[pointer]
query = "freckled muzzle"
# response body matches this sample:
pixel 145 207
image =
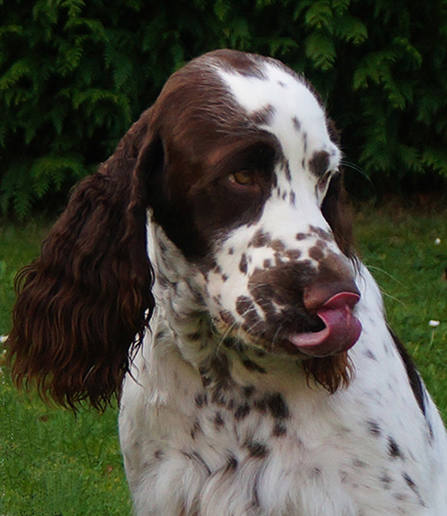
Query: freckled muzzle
pixel 307 309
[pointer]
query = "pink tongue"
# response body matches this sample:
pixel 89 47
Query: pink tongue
pixel 342 328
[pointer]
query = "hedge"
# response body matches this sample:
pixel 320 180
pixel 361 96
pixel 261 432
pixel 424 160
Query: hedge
pixel 74 74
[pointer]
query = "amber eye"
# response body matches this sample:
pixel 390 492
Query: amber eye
pixel 243 177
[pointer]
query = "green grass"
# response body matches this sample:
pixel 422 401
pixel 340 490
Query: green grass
pixel 53 463
pixel 18 246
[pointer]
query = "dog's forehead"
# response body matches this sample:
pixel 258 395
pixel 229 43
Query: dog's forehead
pixel 290 107
pixel 275 86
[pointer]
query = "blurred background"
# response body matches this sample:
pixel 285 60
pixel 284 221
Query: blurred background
pixel 75 74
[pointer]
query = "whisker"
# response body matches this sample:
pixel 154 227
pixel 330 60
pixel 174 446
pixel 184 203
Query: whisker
pixel 389 296
pixel 386 273
pixel 357 168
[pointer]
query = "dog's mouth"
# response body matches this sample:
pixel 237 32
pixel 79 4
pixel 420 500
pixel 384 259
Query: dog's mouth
pixel 341 328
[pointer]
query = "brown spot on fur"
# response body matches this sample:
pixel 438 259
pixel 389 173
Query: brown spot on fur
pixel 248 391
pixel 253 366
pixel 243 264
pixel 277 406
pixel 332 373
pixel 324 235
pixel 277 245
pixel 257 449
pixel 260 239
pixel 242 412
pixel 201 400
pixel 287 171
pixel 394 450
pixel 293 254
pixel 215 374
pixel 194 336
pixel 316 253
pixel 218 420
pixel 292 198
pixel 232 464
pixel 319 163
pixel 279 429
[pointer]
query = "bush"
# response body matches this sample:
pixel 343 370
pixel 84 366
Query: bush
pixel 75 74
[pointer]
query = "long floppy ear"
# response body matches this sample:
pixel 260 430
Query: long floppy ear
pixel 83 305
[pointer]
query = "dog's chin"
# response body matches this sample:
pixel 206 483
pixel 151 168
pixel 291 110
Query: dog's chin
pixel 331 370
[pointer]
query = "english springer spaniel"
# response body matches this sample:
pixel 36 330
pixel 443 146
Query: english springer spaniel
pixel 206 274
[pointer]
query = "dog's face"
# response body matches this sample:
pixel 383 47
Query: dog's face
pixel 237 165
pixel 247 162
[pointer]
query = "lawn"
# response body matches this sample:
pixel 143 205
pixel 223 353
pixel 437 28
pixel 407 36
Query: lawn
pixel 53 463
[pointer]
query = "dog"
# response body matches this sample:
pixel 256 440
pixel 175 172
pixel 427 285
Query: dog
pixel 206 275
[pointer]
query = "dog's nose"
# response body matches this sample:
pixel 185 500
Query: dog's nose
pixel 318 293
pixel 333 303
pixel 341 328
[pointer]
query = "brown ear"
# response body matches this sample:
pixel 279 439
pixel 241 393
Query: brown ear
pixel 83 305
pixel 336 210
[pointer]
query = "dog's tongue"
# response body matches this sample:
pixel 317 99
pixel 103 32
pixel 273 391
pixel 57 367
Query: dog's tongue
pixel 342 328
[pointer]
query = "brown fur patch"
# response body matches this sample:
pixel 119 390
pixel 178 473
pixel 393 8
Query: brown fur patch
pixel 332 373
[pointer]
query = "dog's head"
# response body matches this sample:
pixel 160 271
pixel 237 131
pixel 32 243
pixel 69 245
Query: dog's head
pixel 239 168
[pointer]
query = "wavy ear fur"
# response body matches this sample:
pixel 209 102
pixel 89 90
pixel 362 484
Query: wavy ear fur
pixel 83 305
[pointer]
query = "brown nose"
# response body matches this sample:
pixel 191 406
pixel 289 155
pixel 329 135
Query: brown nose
pixel 318 293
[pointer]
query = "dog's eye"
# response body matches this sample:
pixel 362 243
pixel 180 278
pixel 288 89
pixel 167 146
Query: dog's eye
pixel 243 177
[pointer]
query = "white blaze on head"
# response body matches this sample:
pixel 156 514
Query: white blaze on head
pixel 293 103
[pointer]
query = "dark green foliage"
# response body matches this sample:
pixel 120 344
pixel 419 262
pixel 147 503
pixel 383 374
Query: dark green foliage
pixel 74 74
